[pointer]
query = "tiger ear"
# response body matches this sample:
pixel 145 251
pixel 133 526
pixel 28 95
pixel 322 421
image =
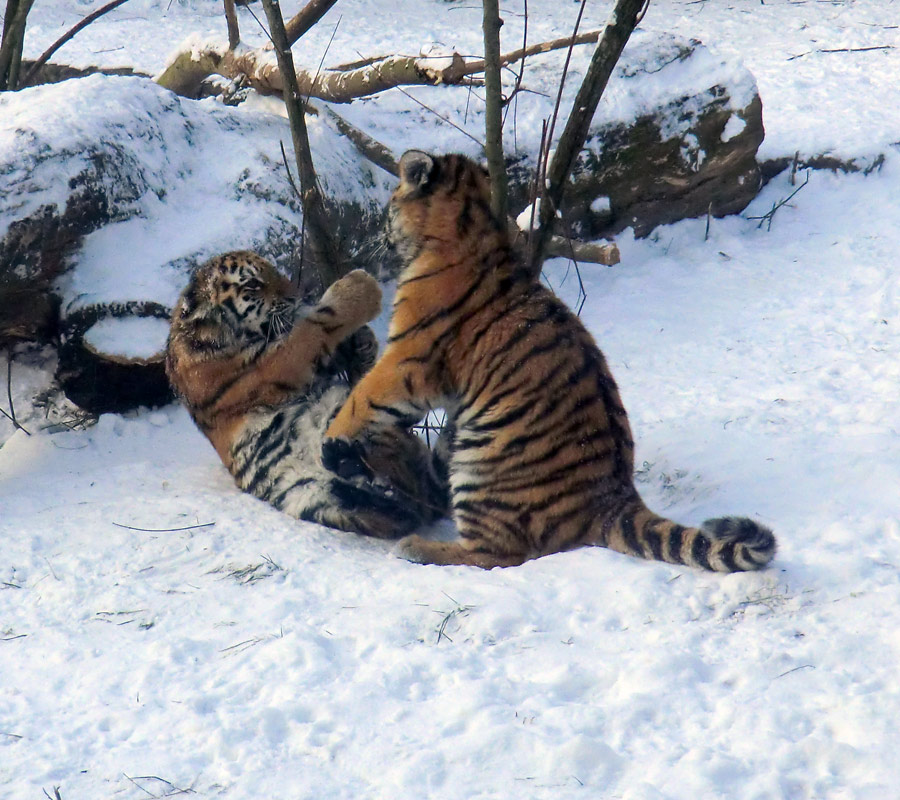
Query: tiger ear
pixel 416 168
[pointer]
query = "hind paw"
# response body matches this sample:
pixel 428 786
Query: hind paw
pixel 411 548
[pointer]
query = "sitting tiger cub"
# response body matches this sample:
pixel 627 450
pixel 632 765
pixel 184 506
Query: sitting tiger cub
pixel 542 454
pixel 259 373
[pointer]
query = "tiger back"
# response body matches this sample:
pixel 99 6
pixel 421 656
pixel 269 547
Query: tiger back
pixel 542 454
pixel 261 374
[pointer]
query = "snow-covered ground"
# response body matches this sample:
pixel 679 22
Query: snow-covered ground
pixel 160 631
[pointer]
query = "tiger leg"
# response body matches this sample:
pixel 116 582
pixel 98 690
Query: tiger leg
pixel 461 551
pixel 396 391
pixel 290 365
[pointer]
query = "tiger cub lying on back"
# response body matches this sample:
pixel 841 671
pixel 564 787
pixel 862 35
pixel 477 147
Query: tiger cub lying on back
pixel 259 374
pixel 542 456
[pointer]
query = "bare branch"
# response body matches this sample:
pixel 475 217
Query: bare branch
pixel 493 117
pixel 609 48
pixel 303 20
pixel 45 56
pixel 234 32
pixel 329 261
pixel 368 147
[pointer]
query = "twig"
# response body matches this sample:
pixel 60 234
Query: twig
pixel 177 790
pixel 246 645
pixel 844 50
pixel 44 57
pixel 295 278
pixel 288 170
pixel 518 84
pixel 322 60
pixel 441 632
pixel 441 116
pixel 11 638
pixel 771 214
pixel 55 791
pixel 802 666
pixel 13 421
pixel 165 530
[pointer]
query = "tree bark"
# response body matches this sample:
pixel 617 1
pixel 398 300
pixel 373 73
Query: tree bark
pixel 13 36
pixel 330 263
pixel 231 20
pixel 493 117
pixel 618 29
pixel 304 19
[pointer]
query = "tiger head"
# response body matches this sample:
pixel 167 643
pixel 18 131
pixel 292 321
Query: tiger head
pixel 440 200
pixel 235 300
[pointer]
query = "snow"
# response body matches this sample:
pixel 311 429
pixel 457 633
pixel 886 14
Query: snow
pixel 133 337
pixel 600 204
pixel 218 646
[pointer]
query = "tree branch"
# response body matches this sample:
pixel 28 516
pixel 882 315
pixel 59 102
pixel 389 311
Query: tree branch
pixel 304 19
pixel 45 56
pixel 329 261
pixel 231 20
pixel 618 29
pixel 493 117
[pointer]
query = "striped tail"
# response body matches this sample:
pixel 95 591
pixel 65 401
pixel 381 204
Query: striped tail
pixel 725 544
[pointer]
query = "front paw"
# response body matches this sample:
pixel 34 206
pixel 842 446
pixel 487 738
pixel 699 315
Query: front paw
pixel 344 458
pixel 357 294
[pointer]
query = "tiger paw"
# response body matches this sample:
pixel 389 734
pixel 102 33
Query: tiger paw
pixel 357 295
pixel 411 549
pixel 344 458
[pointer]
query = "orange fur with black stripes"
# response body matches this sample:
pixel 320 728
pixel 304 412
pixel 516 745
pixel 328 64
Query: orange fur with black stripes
pixel 262 373
pixel 542 454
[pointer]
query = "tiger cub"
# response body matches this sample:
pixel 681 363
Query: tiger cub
pixel 259 373
pixel 542 455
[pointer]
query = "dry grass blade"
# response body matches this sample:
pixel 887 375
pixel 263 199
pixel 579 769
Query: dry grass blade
pixel 165 530
pixel 11 416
